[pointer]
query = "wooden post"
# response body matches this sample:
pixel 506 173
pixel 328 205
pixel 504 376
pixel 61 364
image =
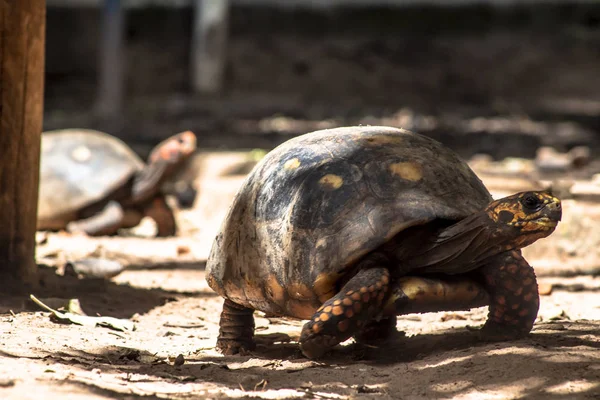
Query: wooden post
pixel 22 41
pixel 209 45
pixel 109 102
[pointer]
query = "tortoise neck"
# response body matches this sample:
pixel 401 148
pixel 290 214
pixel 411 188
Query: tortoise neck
pixel 463 246
pixel 148 182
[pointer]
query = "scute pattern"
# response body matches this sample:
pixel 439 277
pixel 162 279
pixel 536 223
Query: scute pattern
pixel 68 183
pixel 287 223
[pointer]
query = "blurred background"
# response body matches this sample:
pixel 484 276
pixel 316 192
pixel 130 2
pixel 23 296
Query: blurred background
pixel 512 86
pixel 499 77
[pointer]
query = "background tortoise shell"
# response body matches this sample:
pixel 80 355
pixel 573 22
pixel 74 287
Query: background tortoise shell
pixel 319 202
pixel 79 167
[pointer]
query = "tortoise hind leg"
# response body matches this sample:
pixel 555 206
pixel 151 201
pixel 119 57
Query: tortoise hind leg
pixel 106 222
pixel 343 315
pixel 236 332
pixel 514 298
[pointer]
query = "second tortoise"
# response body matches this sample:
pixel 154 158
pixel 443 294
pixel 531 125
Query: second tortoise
pixel 94 183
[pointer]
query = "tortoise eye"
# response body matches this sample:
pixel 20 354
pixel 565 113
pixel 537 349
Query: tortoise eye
pixel 531 202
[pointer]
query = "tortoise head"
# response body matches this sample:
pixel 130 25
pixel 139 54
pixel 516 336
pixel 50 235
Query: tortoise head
pixel 165 160
pixel 526 216
pixel 174 150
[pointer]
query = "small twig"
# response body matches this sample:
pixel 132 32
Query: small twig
pixel 190 326
pixel 117 334
pixel 262 383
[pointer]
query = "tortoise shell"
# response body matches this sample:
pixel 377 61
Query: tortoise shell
pixel 316 204
pixel 79 167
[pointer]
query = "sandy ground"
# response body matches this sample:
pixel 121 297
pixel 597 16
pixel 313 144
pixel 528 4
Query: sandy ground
pixel 164 293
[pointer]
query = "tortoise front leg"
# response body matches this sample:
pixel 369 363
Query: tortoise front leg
pixel 162 214
pixel 514 298
pixel 236 332
pixel 343 315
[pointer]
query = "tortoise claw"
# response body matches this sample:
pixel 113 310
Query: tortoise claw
pixel 498 333
pixel 231 347
pixel 318 345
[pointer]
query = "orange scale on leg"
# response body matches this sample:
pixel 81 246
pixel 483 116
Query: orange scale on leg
pixel 523 313
pixel 337 310
pixel 316 328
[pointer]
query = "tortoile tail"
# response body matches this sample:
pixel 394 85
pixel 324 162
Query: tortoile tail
pixel 349 227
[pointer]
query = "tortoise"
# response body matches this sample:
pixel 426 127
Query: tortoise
pixel 351 226
pixel 92 182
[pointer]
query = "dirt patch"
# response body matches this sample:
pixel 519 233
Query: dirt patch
pixel 437 357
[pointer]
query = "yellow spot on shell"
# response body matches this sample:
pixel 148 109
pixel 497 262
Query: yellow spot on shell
pixel 291 164
pixel 274 290
pixel 331 181
pixel 300 291
pixel 234 292
pixel 81 154
pixel 324 286
pixel 316 328
pixel 322 242
pixel 407 170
